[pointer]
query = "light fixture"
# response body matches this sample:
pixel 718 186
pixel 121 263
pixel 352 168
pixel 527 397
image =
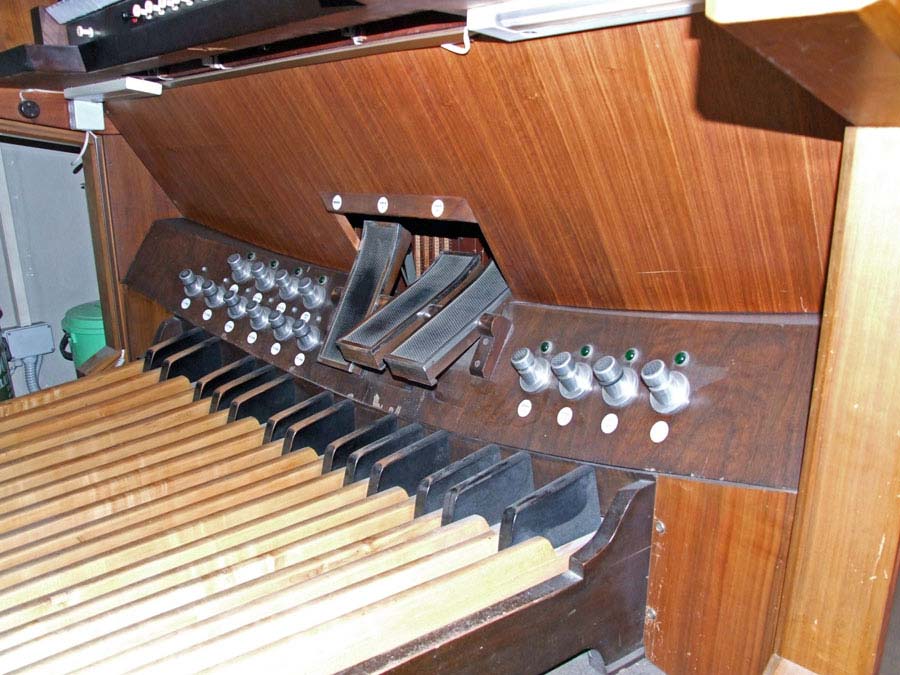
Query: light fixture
pixel 527 19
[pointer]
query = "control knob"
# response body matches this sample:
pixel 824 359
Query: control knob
pixel 287 285
pixel 259 316
pixel 264 275
pixel 282 326
pixel 237 305
pixel 619 384
pixel 669 390
pixel 312 294
pixel 213 294
pixel 574 377
pixel 240 268
pixel 192 283
pixel 307 335
pixel 534 372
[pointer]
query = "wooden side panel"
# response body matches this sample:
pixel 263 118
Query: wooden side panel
pixel 843 556
pixel 654 166
pixel 15 22
pixel 716 575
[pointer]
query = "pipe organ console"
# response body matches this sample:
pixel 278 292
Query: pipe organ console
pixel 466 358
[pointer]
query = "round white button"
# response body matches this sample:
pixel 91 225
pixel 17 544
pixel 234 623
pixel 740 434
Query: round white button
pixel 257 297
pixel 382 204
pixel 207 314
pixel 659 431
pixel 564 416
pixel 251 338
pixel 229 326
pixel 275 349
pixel 235 288
pixel 299 359
pixel 280 307
pixel 524 409
pixel 185 303
pixel 437 208
pixel 337 202
pixel 306 316
pixel 609 423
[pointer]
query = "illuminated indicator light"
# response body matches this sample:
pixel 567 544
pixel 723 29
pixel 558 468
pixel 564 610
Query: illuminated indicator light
pixel 681 358
pixel 298 271
pixel 631 355
pixel 586 350
pixel 322 279
pixel 273 264
pixel 545 347
pixel 251 255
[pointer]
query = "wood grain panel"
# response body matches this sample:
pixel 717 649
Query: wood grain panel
pixel 15 22
pixel 863 37
pixel 843 558
pixel 716 574
pixel 653 166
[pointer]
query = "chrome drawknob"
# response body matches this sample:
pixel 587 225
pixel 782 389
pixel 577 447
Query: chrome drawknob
pixel 264 275
pixel 669 391
pixel 287 285
pixel 313 294
pixel 191 282
pixel 237 305
pixel 282 326
pixel 534 373
pixel 213 294
pixel 619 384
pixel 574 377
pixel 307 335
pixel 259 316
pixel 240 268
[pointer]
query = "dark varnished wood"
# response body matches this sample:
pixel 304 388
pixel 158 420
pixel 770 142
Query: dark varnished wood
pixel 751 376
pixel 401 206
pixel 716 572
pixel 597 164
pixel 54 108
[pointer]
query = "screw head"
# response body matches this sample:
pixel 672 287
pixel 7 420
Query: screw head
pixel 650 614
pixel 659 526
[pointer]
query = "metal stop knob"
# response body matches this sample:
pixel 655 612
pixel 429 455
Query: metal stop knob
pixel 264 275
pixel 574 377
pixel 237 305
pixel 191 282
pixel 287 285
pixel 313 294
pixel 619 384
pixel 534 372
pixel 259 316
pixel 240 268
pixel 307 335
pixel 213 294
pixel 669 391
pixel 282 326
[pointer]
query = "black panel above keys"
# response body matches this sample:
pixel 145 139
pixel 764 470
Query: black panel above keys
pixel 195 361
pixel 360 463
pixel 378 261
pixel 278 424
pixel 320 429
pixel 339 450
pixel 561 511
pixel 207 384
pixel 407 467
pixel 226 393
pixel 160 352
pixel 368 343
pixel 489 492
pixel 431 491
pixel 265 400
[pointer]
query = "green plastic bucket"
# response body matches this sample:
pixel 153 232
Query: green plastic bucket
pixel 83 332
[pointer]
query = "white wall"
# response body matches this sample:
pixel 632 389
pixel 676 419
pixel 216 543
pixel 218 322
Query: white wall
pixel 46 203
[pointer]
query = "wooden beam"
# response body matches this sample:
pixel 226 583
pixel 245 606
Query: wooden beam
pixel 847 526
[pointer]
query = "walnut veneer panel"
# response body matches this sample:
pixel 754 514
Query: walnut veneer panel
pixel 841 573
pixel 716 574
pixel 654 166
pixel 15 22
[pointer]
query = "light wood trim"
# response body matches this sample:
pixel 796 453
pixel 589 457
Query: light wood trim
pixel 45 396
pixel 403 617
pixel 733 11
pixel 31 458
pixel 99 427
pixel 169 456
pixel 276 545
pixel 70 423
pixel 312 603
pixel 41 133
pixel 90 578
pixel 43 475
pixel 847 526
pixel 96 501
pixel 212 615
pixel 81 402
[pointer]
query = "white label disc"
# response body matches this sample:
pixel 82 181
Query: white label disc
pixel 257 297
pixel 275 349
pixel 564 416
pixel 235 288
pixel 382 204
pixel 337 202
pixel 524 409
pixel 185 303
pixel 299 359
pixel 229 326
pixel 609 423
pixel 306 316
pixel 659 431
pixel 251 338
pixel 280 307
pixel 207 314
pixel 437 208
